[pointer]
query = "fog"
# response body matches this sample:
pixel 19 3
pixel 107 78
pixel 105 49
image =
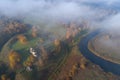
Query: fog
pixel 45 9
pixel 99 13
pixel 53 10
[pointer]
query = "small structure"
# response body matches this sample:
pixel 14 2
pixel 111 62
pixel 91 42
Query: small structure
pixel 28 68
pixel 32 51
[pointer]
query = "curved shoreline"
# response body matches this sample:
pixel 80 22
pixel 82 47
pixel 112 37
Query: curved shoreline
pixel 106 65
pixel 97 54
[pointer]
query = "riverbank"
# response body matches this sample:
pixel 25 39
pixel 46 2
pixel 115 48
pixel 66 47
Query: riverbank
pixel 107 66
pixel 97 54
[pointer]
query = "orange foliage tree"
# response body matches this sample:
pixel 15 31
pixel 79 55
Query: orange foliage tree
pixel 44 53
pixel 56 42
pixel 34 32
pixel 22 39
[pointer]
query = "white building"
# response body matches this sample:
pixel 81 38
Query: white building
pixel 32 51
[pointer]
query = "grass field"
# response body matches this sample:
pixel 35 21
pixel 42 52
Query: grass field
pixel 30 43
pixel 106 47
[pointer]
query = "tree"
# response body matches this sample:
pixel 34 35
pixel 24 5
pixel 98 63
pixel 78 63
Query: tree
pixel 22 39
pixel 30 60
pixel 34 31
pixel 56 42
pixel 4 77
pixel 44 53
pixel 14 59
pixel 82 63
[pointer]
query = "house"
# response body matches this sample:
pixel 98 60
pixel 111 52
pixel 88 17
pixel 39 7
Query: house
pixel 32 51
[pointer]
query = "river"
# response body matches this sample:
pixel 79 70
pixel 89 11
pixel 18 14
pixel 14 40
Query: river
pixel 107 66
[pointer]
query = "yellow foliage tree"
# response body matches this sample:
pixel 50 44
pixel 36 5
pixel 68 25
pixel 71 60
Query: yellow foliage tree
pixel 14 59
pixel 4 77
pixel 73 70
pixel 30 60
pixel 82 64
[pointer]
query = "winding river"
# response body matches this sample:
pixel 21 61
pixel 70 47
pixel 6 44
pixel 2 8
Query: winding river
pixel 104 64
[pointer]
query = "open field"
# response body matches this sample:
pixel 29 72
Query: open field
pixel 107 46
